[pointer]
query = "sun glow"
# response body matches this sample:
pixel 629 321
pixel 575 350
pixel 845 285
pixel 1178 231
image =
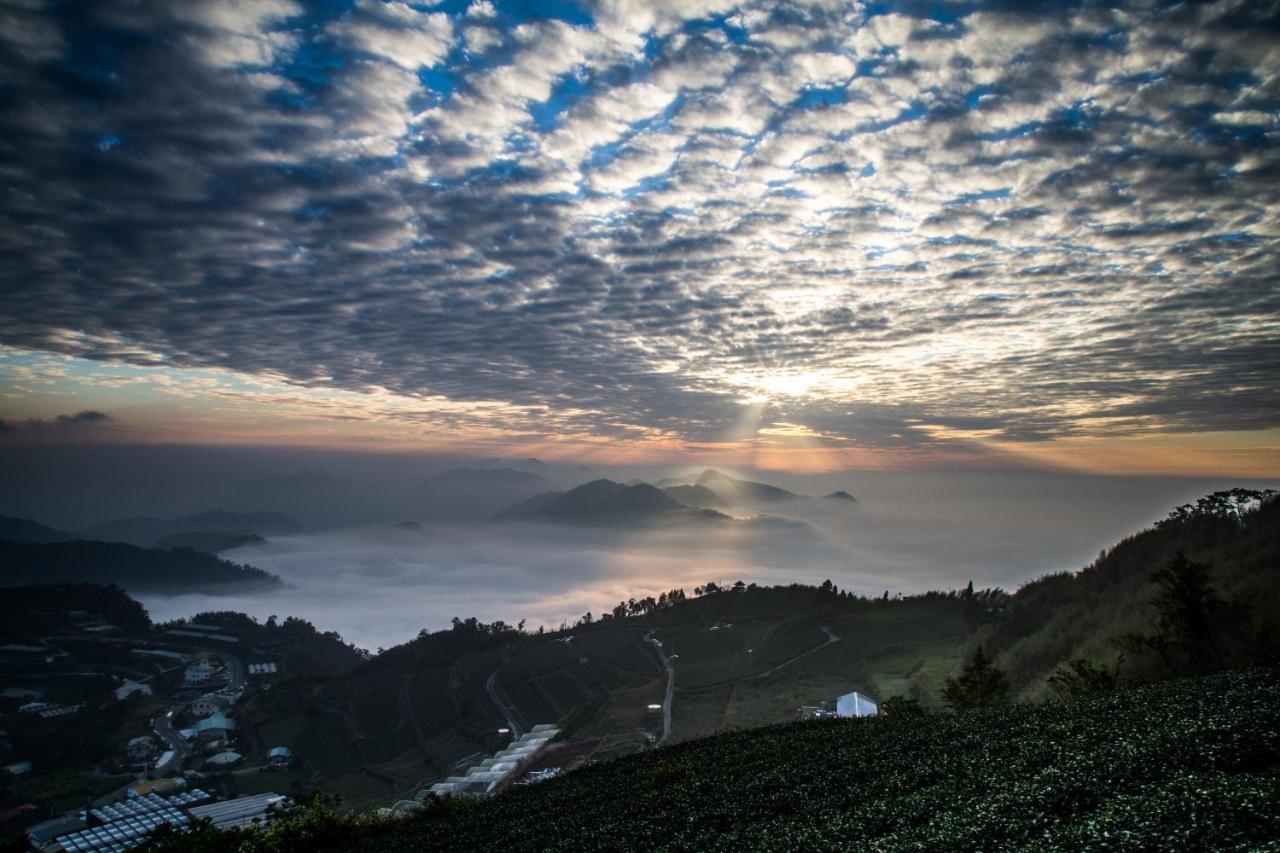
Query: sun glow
pixel 764 387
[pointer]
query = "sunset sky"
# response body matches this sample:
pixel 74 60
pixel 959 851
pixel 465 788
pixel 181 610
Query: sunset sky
pixel 807 236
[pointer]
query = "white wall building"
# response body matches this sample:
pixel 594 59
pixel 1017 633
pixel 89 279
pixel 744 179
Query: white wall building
pixel 856 705
pixel 198 674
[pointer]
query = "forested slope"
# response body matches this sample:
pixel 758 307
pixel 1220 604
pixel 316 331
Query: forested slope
pixel 1087 614
pixel 136 569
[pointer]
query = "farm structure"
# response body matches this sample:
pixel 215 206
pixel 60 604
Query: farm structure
pixel 493 773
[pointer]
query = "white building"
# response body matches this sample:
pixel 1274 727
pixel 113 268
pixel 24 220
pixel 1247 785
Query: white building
pixel 198 674
pixel 856 705
pixel 210 703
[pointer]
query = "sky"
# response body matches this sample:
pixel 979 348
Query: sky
pixel 790 236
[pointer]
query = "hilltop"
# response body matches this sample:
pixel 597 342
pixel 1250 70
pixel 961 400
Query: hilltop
pixel 727 490
pixel 27 530
pixel 608 503
pixel 1157 767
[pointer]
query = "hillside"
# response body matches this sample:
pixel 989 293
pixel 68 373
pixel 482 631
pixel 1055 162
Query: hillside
pixel 747 656
pixel 472 493
pixel 743 656
pixel 210 541
pixel 731 490
pixel 150 532
pixel 26 530
pixel 696 496
pixel 30 612
pixel 135 569
pixel 1157 767
pixel 1083 614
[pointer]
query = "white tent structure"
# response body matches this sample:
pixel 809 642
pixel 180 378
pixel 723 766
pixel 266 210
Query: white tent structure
pixel 492 772
pixel 856 705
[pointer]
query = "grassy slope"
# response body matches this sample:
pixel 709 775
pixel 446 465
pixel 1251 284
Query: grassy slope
pixel 1188 764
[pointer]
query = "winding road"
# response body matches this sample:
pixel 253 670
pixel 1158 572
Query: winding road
pixel 669 698
pixel 492 686
pixel 163 727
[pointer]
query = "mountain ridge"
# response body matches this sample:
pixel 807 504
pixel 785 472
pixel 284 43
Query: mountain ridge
pixel 604 501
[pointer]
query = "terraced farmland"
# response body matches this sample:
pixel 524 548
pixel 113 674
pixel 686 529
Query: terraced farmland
pixel 743 658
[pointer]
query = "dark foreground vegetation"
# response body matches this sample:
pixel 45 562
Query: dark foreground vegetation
pixel 136 569
pixel 1185 764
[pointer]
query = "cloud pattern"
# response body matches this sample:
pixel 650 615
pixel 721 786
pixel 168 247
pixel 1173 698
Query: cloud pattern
pixel 880 224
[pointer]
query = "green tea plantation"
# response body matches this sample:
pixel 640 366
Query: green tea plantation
pixel 1189 764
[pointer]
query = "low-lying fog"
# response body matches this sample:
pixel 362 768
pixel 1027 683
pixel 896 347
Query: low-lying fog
pixel 912 530
pixel 378 585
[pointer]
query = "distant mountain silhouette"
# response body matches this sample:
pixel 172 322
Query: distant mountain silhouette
pixel 732 490
pixel 146 532
pixel 695 496
pixel 560 474
pixel 605 502
pixel 316 498
pixel 840 495
pixel 473 493
pixel 210 541
pixel 26 530
pixel 264 523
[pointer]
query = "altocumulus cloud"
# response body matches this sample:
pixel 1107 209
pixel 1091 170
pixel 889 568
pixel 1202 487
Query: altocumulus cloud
pixel 983 217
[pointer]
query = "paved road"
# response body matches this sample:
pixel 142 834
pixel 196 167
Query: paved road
pixel 163 727
pixel 492 686
pixel 670 696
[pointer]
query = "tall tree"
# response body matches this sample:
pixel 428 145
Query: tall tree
pixel 980 684
pixel 1080 677
pixel 1191 617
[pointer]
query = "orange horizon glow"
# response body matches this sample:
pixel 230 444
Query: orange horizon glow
pixel 212 407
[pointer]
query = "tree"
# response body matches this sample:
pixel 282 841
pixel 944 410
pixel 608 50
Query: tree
pixel 980 684
pixel 1079 677
pixel 1190 619
pixel 1189 612
pixel 902 706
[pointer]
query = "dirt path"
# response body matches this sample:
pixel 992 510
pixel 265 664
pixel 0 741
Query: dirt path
pixel 831 638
